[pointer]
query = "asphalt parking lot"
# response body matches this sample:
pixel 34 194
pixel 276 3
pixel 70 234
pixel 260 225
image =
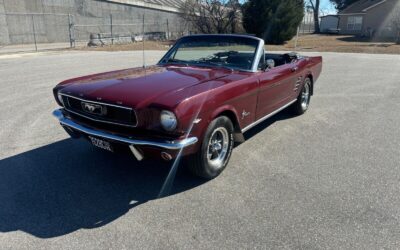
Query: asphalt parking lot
pixel 326 180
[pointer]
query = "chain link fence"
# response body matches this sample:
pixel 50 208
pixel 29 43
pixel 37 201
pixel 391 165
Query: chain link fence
pixel 111 30
pixel 45 31
pixel 42 31
pixel 307 25
pixel 33 31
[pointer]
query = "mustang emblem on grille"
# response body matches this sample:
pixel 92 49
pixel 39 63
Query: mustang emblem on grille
pixel 93 108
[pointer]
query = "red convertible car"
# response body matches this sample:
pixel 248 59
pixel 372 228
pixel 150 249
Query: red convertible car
pixel 196 102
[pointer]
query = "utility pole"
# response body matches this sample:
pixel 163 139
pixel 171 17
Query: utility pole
pixel 34 32
pixel 167 36
pixel 144 59
pixel 70 31
pixel 111 29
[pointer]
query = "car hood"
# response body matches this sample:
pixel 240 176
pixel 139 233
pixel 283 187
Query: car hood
pixel 138 87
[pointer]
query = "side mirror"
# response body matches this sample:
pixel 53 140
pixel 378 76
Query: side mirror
pixel 269 64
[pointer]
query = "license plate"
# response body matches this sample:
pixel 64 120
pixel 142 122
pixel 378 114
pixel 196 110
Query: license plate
pixel 101 143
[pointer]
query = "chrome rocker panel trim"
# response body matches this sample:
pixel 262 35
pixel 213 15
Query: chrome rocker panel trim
pixel 268 116
pixel 173 145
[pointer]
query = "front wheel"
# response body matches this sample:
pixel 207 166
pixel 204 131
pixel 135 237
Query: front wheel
pixel 303 100
pixel 215 151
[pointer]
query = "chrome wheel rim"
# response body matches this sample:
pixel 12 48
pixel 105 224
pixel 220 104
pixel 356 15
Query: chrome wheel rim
pixel 217 148
pixel 305 96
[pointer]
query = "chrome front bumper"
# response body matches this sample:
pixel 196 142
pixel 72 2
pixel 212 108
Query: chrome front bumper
pixel 171 145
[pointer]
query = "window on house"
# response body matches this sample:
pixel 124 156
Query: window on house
pixel 354 22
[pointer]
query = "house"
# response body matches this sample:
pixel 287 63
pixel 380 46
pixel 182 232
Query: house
pixel 329 24
pixel 370 18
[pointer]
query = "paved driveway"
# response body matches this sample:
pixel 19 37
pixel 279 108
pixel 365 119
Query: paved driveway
pixel 327 179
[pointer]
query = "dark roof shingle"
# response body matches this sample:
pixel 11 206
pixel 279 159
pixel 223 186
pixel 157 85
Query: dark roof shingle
pixel 361 6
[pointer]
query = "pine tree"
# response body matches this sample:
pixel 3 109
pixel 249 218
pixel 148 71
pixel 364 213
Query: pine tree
pixel 275 21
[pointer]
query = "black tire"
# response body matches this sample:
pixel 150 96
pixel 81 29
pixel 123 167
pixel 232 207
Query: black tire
pixel 201 163
pixel 303 100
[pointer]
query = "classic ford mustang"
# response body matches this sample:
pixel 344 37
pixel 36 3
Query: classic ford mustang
pixel 195 103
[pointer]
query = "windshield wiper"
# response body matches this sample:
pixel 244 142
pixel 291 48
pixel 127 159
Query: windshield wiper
pixel 176 61
pixel 201 63
pixel 208 63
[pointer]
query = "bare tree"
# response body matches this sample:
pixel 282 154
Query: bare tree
pixel 396 24
pixel 315 7
pixel 212 16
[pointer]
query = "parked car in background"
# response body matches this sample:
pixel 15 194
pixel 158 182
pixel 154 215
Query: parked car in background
pixel 196 102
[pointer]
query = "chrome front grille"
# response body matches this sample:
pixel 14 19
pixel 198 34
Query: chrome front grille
pixel 100 112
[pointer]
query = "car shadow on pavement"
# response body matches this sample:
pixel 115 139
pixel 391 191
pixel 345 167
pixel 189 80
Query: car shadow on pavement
pixel 69 185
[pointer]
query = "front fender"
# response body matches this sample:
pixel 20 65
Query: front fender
pixel 223 109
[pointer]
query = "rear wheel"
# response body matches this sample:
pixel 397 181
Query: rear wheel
pixel 303 100
pixel 215 150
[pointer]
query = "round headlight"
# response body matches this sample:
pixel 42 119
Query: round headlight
pixel 60 99
pixel 168 120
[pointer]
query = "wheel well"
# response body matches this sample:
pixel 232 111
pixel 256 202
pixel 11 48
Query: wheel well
pixel 312 82
pixel 238 136
pixel 232 117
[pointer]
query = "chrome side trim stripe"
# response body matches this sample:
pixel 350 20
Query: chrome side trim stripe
pixel 267 116
pixel 174 145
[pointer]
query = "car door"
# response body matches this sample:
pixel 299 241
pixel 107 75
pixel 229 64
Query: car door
pixel 275 88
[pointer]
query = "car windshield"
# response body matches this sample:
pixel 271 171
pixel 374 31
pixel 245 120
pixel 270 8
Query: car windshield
pixel 214 51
